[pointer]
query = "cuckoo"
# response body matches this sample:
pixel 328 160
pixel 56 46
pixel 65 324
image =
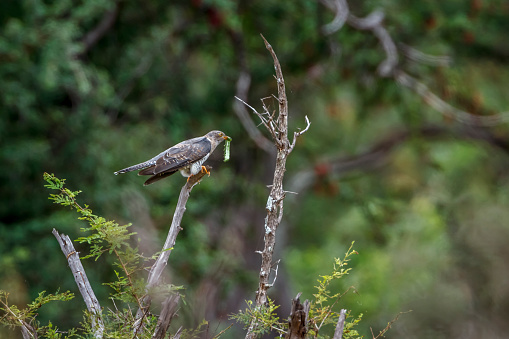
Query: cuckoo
pixel 187 157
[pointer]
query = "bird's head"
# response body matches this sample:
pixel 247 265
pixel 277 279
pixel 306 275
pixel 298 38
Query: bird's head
pixel 217 136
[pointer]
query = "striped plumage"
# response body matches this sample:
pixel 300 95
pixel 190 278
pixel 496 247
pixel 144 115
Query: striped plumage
pixel 187 157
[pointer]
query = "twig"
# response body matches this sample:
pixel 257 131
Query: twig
pixel 73 259
pixel 221 333
pixel 161 261
pixel 27 331
pixel 242 89
pixel 382 332
pixel 299 133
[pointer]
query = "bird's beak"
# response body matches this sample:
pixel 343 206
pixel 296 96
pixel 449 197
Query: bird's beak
pixel 225 137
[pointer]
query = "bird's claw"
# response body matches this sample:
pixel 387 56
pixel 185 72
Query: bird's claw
pixel 204 170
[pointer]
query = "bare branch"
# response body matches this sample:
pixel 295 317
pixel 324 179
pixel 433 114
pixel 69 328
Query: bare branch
pixel 254 133
pixel 418 56
pixel 264 121
pixel 338 333
pixel 388 68
pixel 28 331
pixel 73 259
pixel 340 7
pixel 275 273
pixel 299 133
pixel 444 108
pixel 373 22
pixel 378 154
pixel 162 260
pixel 168 311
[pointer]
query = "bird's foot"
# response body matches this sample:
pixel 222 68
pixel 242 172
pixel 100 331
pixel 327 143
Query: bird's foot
pixel 204 170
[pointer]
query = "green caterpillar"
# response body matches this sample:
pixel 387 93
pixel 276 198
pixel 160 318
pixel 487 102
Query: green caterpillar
pixel 227 149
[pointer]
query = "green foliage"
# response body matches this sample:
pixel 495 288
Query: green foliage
pixel 15 317
pixel 106 236
pixel 426 218
pixel 321 313
pixel 264 318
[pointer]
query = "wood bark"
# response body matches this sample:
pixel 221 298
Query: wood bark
pixel 297 326
pixel 278 128
pixel 73 259
pixel 338 333
pixel 168 311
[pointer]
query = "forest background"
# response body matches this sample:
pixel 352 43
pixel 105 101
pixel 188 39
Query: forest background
pixel 89 87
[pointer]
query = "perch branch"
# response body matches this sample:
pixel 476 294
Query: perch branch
pixel 162 260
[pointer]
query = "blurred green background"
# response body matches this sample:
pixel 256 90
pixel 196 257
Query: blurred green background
pixel 89 87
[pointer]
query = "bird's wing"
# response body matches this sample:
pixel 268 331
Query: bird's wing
pixel 158 177
pixel 179 156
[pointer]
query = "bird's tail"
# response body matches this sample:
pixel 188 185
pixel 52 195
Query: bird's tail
pixel 136 167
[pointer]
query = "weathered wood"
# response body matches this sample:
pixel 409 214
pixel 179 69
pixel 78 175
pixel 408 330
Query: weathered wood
pixel 278 128
pixel 73 259
pixel 338 334
pixel 168 311
pixel 156 270
pixel 297 326
pixel 27 331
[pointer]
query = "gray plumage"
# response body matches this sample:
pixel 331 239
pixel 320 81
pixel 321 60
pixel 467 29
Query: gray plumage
pixel 187 157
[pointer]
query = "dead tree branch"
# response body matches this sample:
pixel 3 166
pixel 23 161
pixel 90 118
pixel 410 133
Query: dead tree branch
pixel 297 326
pixel 167 313
pixel 73 259
pixel 338 333
pixel 340 7
pixel 378 154
pixel 162 260
pixel 242 91
pixel 389 66
pixel 278 129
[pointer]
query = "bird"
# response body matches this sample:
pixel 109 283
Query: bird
pixel 187 157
